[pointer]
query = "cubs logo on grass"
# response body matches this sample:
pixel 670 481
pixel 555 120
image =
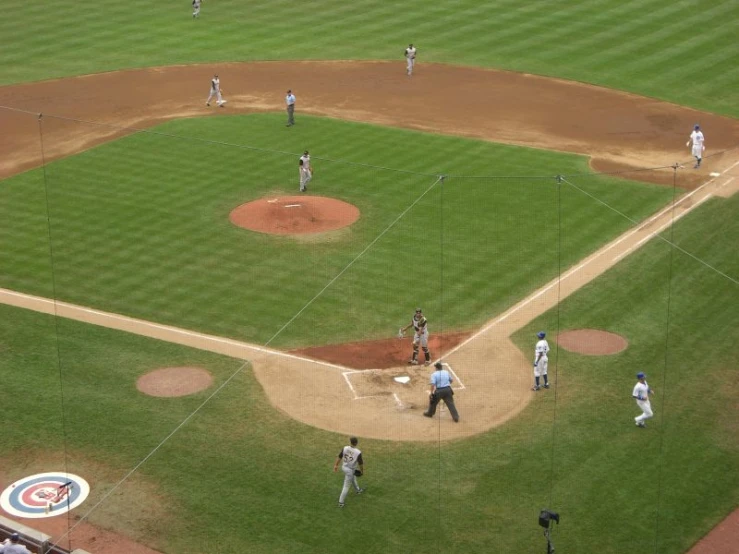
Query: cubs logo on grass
pixel 44 495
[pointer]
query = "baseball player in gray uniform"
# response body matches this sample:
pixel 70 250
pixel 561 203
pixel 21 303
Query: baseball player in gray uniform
pixel 410 59
pixel 195 8
pixel 215 90
pixel 420 336
pixel 352 465
pixel 541 361
pixel 696 137
pixel 641 393
pixel 305 170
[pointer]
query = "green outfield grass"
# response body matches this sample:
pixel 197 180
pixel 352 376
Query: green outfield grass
pixel 140 226
pixel 676 50
pixel 244 477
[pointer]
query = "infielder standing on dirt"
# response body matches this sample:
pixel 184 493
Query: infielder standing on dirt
pixel 541 361
pixel 305 170
pixel 641 394
pixel 696 137
pixel 410 59
pixel 195 8
pixel 350 458
pixel 420 336
pixel 215 90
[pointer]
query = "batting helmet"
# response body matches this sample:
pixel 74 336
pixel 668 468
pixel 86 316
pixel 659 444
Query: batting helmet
pixel 541 334
pixel 640 375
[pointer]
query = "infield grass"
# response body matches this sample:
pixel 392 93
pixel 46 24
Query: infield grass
pixel 676 50
pixel 240 476
pixel 140 227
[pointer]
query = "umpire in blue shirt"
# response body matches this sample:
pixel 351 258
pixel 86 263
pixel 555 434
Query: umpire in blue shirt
pixel 441 389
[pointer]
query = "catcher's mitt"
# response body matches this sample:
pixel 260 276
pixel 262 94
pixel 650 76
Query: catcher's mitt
pixel 401 333
pixel 357 473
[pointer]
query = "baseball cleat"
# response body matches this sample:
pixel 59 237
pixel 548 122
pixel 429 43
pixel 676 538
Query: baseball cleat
pixel 426 414
pixel 341 504
pixel 535 388
pixel 641 424
pixel 413 362
pixel 207 103
pixel 360 491
pixel 546 385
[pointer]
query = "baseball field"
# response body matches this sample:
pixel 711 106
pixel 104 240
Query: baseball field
pixel 202 369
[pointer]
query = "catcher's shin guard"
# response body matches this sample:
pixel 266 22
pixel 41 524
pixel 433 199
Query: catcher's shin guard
pixel 415 352
pixel 427 353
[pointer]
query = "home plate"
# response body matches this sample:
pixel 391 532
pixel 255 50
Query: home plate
pixel 292 205
pixel 714 174
pixel 402 379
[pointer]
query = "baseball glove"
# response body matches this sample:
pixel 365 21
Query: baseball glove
pixel 357 473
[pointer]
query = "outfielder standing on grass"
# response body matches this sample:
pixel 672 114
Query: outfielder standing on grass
pixel 696 137
pixel 420 336
pixel 305 170
pixel 195 8
pixel 541 361
pixel 352 465
pixel 410 59
pixel 641 394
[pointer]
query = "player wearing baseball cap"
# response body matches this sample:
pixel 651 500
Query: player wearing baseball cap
pixel 641 394
pixel 541 361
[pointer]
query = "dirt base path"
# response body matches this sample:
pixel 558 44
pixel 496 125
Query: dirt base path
pixel 619 130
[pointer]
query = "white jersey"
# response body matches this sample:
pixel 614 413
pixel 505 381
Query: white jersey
pixel 697 139
pixel 215 84
pixel 641 391
pixel 542 347
pixel 196 4
pixel 350 457
pixel 11 548
pixel 305 166
pixel 410 53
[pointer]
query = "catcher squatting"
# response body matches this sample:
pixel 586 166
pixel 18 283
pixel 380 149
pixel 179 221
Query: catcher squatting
pixel 352 465
pixel 420 336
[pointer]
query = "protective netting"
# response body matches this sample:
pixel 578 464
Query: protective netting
pixel 122 258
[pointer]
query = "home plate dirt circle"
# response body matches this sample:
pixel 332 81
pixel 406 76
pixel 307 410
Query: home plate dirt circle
pixel 592 342
pixel 174 381
pixel 293 215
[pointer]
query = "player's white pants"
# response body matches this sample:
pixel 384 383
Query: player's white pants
pixel 541 367
pixel 646 408
pixel 349 480
pixel 421 339
pixel 305 177
pixel 409 63
pixel 697 151
pixel 217 94
pixel 196 12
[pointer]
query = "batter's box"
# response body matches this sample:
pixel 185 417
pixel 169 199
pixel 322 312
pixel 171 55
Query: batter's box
pixel 381 382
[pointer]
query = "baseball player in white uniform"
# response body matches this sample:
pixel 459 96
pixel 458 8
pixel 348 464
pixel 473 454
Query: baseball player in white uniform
pixel 641 394
pixel 696 137
pixel 350 459
pixel 541 361
pixel 305 170
pixel 420 336
pixel 195 8
pixel 410 59
pixel 11 546
pixel 215 90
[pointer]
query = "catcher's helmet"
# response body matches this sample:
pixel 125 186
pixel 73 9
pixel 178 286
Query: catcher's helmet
pixel 541 334
pixel 640 375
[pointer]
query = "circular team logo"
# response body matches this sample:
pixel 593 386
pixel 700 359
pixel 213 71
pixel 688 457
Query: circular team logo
pixel 44 495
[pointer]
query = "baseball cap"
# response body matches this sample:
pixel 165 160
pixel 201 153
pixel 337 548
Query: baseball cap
pixel 541 334
pixel 640 375
pixel 15 537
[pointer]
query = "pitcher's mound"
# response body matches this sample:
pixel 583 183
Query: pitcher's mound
pixel 174 381
pixel 292 215
pixel 592 342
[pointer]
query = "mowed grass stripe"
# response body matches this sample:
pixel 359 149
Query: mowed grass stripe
pixel 608 43
pixel 146 217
